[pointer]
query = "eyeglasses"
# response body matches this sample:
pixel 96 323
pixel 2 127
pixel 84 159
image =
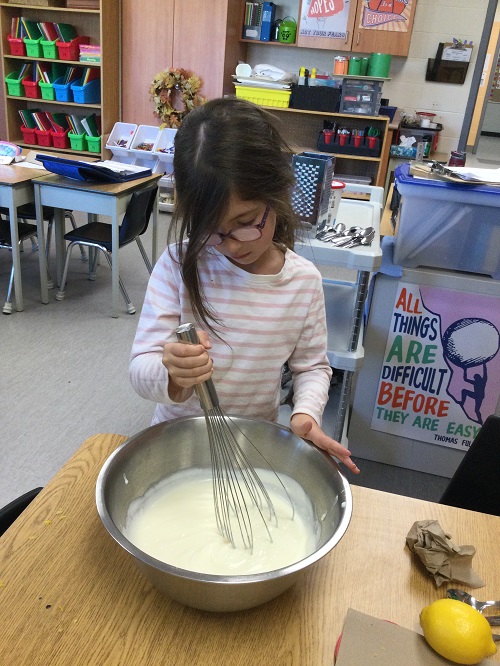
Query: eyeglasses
pixel 243 234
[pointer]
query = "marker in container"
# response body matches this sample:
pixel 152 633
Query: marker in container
pixel 312 81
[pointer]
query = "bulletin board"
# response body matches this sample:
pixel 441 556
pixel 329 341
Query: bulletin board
pixel 495 86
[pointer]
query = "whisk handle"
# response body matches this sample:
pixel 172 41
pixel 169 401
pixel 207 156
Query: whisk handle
pixel 205 391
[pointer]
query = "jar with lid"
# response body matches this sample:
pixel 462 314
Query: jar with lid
pixel 457 158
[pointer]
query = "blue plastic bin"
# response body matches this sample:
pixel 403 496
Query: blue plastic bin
pixel 447 225
pixel 87 94
pixel 62 90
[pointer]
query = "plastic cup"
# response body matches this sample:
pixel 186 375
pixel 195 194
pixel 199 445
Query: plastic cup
pixel 372 140
pixel 354 66
pixel 328 135
pixel 379 65
pixel 342 139
pixel 356 141
pixel 334 201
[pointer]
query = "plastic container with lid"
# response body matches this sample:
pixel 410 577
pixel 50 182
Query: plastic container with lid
pixel 447 225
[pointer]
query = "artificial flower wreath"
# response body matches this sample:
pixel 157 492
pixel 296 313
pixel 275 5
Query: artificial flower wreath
pixel 162 89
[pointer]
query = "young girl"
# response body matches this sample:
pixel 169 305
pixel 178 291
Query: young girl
pixel 232 271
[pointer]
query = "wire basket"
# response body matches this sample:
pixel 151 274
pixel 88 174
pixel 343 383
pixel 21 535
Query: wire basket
pixel 313 178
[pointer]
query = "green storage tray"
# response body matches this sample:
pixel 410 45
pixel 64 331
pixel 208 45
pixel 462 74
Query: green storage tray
pixel 33 47
pixel 48 91
pixel 94 143
pixel 14 85
pixel 77 141
pixel 49 49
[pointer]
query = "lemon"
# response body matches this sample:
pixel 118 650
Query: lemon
pixel 457 631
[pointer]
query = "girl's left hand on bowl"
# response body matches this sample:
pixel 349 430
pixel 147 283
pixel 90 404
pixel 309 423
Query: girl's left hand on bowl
pixel 306 427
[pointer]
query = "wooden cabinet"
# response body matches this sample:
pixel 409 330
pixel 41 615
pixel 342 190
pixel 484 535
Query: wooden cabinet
pixel 103 27
pixel 301 128
pixel 201 37
pixel 372 35
pixel 363 26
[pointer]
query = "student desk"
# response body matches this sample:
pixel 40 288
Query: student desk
pixel 16 189
pixel 70 595
pixel 109 199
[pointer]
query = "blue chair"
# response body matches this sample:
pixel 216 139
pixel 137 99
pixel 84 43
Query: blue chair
pixel 97 237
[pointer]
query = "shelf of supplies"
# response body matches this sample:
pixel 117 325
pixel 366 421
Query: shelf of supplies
pixel 341 156
pixel 101 24
pixel 51 149
pixel 63 62
pixel 332 114
pixel 258 41
pixel 39 100
pixel 50 9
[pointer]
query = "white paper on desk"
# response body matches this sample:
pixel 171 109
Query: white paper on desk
pixel 119 167
pixel 480 175
pixel 29 165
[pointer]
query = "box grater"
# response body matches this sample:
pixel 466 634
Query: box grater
pixel 313 177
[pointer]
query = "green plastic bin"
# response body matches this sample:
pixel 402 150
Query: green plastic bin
pixel 48 91
pixel 77 141
pixel 33 47
pixel 94 143
pixel 49 49
pixel 14 85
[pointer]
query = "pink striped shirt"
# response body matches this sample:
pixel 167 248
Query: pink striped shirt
pixel 267 320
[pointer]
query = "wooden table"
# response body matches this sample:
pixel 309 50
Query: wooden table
pixel 109 199
pixel 16 189
pixel 70 596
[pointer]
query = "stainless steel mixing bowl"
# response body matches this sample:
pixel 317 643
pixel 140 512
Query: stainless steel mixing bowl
pixel 166 448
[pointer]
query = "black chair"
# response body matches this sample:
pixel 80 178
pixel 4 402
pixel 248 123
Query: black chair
pixel 476 482
pixel 97 236
pixel 12 511
pixel 27 213
pixel 25 231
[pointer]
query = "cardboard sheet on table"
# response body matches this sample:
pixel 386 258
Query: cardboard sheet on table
pixel 366 640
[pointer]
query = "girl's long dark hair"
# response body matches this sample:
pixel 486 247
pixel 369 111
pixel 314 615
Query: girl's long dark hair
pixel 227 146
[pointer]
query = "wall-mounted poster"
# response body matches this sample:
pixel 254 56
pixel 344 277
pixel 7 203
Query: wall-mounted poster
pixel 324 18
pixel 440 378
pixel 392 15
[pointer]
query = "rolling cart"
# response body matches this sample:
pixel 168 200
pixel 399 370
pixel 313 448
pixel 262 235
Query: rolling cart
pixel 345 300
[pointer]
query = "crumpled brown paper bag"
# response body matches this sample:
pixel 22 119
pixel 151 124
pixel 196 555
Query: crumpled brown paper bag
pixel 441 557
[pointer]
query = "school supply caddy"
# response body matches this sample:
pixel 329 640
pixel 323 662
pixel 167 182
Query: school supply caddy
pixel 105 171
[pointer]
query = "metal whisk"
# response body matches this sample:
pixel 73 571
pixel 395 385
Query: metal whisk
pixel 232 472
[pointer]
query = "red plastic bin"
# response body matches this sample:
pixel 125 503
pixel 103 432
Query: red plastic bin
pixel 32 89
pixel 44 137
pixel 29 135
pixel 71 50
pixel 60 139
pixel 17 46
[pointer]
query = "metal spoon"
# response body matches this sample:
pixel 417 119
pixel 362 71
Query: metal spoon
pixel 364 238
pixel 346 237
pixel 467 598
pixel 331 232
pixel 460 595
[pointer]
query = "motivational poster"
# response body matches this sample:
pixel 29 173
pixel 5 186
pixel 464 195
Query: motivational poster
pixel 440 377
pixel 390 15
pixel 324 18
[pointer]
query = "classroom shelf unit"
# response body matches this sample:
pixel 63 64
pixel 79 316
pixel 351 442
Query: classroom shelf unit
pixel 300 129
pixel 103 27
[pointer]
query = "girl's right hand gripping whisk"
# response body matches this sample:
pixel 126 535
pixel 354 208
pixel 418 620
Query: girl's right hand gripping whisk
pixel 236 484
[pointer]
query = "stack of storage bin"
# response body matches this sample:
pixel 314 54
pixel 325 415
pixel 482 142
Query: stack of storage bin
pixel 441 298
